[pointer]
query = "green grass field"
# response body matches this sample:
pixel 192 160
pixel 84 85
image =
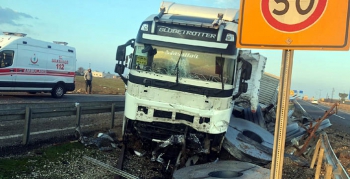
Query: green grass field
pixel 9 167
pixel 101 85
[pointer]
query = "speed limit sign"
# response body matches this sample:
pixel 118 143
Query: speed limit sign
pixel 294 24
pixel 289 16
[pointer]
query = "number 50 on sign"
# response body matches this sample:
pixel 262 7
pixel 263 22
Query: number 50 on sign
pixel 294 24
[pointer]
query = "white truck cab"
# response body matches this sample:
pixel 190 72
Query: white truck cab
pixel 30 65
pixel 183 76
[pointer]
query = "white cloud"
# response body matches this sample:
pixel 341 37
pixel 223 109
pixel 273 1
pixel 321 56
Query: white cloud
pixel 10 17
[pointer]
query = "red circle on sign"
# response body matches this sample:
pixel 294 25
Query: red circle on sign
pixel 321 6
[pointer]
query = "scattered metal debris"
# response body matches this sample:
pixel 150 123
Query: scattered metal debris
pixel 139 153
pixel 156 157
pixel 241 149
pixel 295 131
pixel 192 160
pixel 103 141
pixel 312 130
pixel 174 139
pixel 249 137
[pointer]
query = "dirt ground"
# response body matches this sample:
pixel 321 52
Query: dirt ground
pixel 340 144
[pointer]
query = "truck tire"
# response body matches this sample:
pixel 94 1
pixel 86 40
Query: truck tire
pixel 58 91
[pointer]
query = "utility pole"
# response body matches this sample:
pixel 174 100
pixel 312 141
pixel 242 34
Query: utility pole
pixel 332 95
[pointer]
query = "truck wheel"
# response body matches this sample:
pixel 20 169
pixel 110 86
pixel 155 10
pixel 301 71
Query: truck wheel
pixel 57 91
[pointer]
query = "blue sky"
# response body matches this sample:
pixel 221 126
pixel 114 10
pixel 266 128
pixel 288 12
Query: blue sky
pixel 96 27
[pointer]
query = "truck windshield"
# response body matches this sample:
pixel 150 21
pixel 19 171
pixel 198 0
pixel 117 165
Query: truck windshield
pixel 188 64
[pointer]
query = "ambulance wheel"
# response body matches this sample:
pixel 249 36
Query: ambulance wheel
pixel 57 91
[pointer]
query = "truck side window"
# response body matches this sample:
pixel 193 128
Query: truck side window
pixel 6 58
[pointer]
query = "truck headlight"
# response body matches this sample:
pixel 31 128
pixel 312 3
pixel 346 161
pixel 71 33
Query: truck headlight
pixel 230 38
pixel 144 27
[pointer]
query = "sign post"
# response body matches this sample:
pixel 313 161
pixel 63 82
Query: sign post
pixel 282 114
pixel 291 25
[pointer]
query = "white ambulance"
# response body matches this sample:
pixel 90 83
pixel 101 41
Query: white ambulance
pixel 29 65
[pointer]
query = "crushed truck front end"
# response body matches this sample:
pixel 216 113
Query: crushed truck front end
pixel 182 77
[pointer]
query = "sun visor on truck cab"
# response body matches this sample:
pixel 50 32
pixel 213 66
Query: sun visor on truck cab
pixel 229 14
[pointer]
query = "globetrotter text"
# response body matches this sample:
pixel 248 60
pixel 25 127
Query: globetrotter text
pixel 186 32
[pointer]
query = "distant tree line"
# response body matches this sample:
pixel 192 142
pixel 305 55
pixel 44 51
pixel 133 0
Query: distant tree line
pixel 80 71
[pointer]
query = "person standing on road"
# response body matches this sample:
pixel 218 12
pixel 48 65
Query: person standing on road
pixel 88 80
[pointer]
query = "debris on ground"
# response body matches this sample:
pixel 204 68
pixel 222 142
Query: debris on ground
pixel 222 169
pixel 103 141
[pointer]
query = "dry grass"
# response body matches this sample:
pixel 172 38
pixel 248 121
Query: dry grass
pixel 343 107
pixel 101 85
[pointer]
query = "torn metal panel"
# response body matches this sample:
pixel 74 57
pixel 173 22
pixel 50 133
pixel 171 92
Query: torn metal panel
pixel 250 142
pixel 294 131
pixel 258 65
pixel 157 158
pixel 174 139
pixel 222 169
pixel 256 117
pixel 191 140
pixel 268 89
pixel 290 113
pixel 245 151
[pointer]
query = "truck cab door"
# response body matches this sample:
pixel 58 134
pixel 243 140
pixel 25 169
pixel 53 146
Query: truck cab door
pixel 7 70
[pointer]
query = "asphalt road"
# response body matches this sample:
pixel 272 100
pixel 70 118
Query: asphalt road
pixel 340 121
pixel 6 97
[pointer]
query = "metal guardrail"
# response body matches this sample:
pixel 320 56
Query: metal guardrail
pixel 29 111
pixel 338 170
pixel 325 154
pixel 9 112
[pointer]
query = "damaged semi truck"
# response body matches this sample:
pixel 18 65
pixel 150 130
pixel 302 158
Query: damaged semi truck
pixel 185 74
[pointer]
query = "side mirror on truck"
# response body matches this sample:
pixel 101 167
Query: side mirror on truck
pixel 246 70
pixel 120 57
pixel 119 68
pixel 243 87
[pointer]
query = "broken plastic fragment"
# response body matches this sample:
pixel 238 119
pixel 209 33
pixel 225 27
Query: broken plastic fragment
pixel 192 160
pixel 114 145
pixel 139 153
pixel 160 159
pixel 174 139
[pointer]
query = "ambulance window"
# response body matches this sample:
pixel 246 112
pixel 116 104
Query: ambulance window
pixel 6 58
